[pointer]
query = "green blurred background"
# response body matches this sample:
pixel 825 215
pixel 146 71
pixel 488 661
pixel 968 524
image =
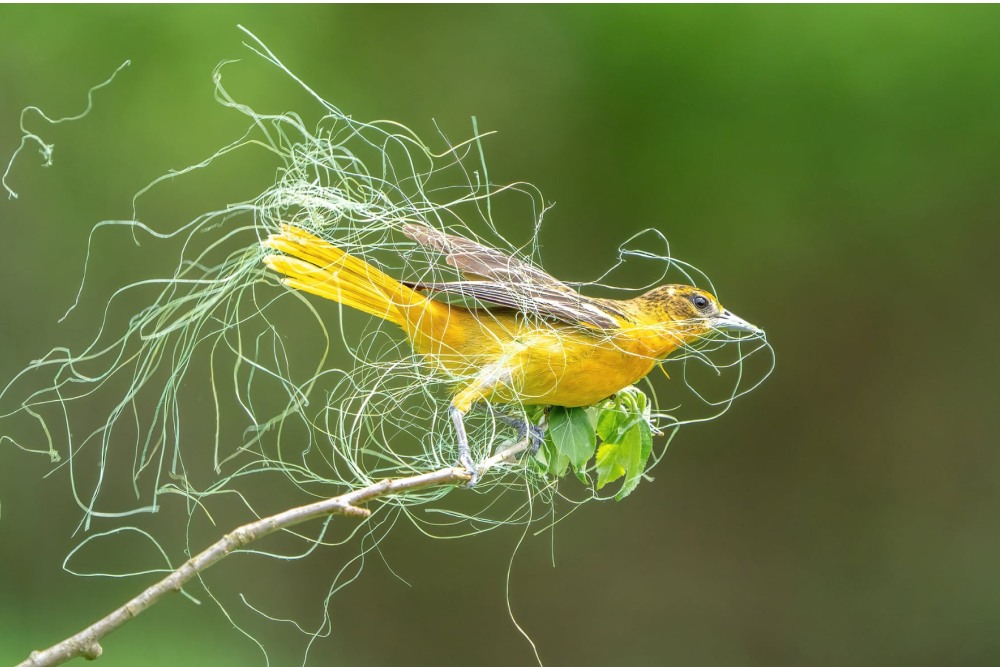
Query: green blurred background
pixel 835 170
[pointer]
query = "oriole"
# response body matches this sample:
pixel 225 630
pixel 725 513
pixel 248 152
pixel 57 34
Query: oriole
pixel 538 341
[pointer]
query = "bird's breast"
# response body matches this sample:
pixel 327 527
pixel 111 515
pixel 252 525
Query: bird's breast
pixel 574 368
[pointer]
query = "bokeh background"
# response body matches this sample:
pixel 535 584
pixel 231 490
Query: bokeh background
pixel 835 170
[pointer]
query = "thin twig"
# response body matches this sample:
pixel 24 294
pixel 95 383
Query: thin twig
pixel 504 455
pixel 86 644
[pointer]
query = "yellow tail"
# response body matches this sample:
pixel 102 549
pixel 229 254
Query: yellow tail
pixel 313 265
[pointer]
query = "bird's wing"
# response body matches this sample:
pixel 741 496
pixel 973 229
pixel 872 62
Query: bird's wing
pixel 476 260
pixel 511 282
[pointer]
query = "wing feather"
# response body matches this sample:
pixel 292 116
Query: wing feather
pixel 475 259
pixel 511 282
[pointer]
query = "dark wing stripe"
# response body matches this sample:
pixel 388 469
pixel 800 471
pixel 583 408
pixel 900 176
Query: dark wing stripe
pixel 511 282
pixel 539 301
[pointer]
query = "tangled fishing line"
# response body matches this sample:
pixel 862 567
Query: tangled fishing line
pixel 281 407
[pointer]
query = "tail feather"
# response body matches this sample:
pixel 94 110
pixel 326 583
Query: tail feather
pixel 311 264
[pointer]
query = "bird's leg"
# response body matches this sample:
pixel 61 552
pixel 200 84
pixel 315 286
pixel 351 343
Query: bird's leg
pixel 460 406
pixel 464 453
pixel 480 389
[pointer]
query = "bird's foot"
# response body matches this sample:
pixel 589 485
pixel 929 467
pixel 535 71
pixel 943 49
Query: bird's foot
pixel 465 461
pixel 525 430
pixel 537 435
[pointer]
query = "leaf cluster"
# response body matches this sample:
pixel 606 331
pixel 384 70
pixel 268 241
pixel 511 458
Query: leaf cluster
pixel 613 439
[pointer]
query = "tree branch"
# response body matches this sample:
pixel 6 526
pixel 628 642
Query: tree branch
pixel 86 644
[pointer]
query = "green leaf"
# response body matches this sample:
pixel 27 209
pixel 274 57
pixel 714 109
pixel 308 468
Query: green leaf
pixel 543 454
pixel 627 441
pixel 573 436
pixel 611 423
pixel 639 457
pixel 557 463
pixel 609 464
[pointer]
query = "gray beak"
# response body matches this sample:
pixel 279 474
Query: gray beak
pixel 728 321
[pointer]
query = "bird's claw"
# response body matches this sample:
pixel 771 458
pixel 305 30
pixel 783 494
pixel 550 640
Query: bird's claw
pixel 537 435
pixel 534 433
pixel 465 461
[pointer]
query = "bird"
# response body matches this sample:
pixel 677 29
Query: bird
pixel 528 338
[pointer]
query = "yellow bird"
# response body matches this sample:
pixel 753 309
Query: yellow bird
pixel 539 343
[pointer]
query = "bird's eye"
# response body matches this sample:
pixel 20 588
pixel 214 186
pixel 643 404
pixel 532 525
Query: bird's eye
pixel 700 302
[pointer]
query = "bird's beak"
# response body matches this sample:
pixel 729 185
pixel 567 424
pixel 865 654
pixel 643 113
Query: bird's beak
pixel 728 321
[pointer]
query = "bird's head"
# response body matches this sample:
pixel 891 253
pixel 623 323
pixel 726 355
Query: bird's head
pixel 689 312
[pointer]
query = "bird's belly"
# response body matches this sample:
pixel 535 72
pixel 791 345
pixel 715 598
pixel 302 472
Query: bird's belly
pixel 574 375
